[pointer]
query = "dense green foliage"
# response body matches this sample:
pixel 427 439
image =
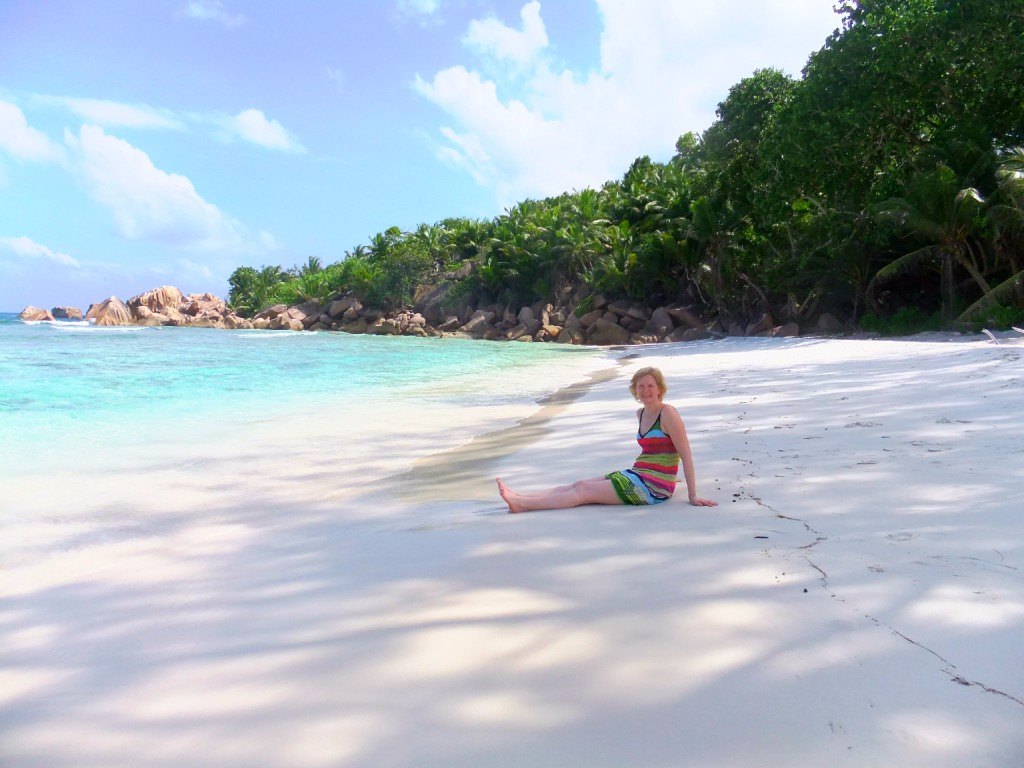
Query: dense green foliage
pixel 888 182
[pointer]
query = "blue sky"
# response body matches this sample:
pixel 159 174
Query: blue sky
pixel 170 141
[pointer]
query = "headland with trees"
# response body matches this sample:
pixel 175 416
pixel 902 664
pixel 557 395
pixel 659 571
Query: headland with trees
pixel 885 187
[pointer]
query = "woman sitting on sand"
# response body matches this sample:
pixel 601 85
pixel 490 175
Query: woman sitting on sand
pixel 652 478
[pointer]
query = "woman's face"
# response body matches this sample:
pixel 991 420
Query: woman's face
pixel 647 390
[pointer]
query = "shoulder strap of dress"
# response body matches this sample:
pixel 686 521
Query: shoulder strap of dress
pixel 640 425
pixel 657 419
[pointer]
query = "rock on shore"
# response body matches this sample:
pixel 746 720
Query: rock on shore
pixel 67 313
pixel 167 305
pixel 35 314
pixel 605 323
pixel 579 318
pixel 110 311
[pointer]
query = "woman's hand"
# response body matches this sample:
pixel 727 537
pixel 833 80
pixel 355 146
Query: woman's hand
pixel 698 502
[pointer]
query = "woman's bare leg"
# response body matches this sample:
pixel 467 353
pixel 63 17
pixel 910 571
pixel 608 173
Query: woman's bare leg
pixel 559 488
pixel 596 490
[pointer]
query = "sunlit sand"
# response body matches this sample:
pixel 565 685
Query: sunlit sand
pixel 856 599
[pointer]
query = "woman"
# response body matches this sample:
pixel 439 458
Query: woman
pixel 651 480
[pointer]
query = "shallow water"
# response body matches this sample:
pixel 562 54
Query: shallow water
pixel 70 391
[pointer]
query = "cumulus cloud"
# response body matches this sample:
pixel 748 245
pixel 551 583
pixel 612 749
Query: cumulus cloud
pixel 507 145
pixel 213 10
pixel 148 203
pixel 23 142
pixel 29 249
pixel 113 114
pixel 196 269
pixel 253 126
pixel 419 7
pixel 540 128
pixel 250 125
pixel 518 46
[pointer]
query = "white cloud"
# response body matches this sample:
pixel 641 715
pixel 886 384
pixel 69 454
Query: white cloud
pixel 250 125
pixel 490 37
pixel 336 76
pixel 115 114
pixel 23 246
pixel 253 126
pixel 268 241
pixel 147 202
pixel 468 153
pixel 23 142
pixel 541 129
pixel 213 10
pixel 419 7
pixel 197 269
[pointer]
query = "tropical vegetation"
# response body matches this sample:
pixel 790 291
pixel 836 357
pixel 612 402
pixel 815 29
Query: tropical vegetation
pixel 885 184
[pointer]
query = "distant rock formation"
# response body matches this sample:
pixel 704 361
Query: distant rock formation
pixel 157 300
pixel 110 311
pixel 35 314
pixel 167 305
pixel 579 318
pixel 67 313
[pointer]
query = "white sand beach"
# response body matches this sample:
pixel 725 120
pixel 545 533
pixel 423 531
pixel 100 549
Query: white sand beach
pixel 857 599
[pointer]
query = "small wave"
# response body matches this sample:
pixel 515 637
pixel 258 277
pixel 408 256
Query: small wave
pixel 254 334
pixel 84 325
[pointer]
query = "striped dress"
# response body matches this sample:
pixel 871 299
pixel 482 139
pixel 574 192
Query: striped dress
pixel 652 478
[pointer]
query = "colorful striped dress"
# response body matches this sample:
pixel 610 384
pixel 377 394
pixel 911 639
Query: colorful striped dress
pixel 652 478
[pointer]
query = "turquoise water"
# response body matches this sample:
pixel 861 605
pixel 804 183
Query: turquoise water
pixel 77 386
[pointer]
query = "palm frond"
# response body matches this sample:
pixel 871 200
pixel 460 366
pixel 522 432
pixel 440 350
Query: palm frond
pixel 995 296
pixel 903 264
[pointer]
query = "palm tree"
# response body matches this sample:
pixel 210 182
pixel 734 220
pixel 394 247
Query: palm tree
pixel 1007 218
pixel 243 285
pixel 311 267
pixel 434 238
pixel 714 227
pixel 936 209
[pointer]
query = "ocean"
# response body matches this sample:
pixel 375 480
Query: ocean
pixel 72 395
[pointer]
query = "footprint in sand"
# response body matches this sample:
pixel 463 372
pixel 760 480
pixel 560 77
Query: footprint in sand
pixel 901 536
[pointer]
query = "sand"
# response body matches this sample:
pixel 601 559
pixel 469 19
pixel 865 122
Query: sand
pixel 856 599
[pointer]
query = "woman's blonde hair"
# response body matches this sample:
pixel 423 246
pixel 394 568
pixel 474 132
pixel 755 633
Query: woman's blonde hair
pixel 655 373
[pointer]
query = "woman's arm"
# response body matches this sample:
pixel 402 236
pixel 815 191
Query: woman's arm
pixel 673 425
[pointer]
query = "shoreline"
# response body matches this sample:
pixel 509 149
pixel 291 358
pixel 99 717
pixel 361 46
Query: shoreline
pixel 463 466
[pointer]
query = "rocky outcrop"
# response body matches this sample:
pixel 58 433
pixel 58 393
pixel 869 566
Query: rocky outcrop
pixel 479 323
pixel 110 311
pixel 168 306
pixel 607 321
pixel 787 329
pixel 660 324
pixel 684 316
pixel 606 333
pixel 762 325
pixel 35 314
pixel 683 333
pixel 66 313
pixel 156 300
pixel 828 323
pixel 203 305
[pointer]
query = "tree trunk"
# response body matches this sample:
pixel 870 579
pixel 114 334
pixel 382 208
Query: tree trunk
pixel 947 289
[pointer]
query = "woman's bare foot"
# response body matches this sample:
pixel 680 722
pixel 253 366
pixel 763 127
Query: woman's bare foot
pixel 510 497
